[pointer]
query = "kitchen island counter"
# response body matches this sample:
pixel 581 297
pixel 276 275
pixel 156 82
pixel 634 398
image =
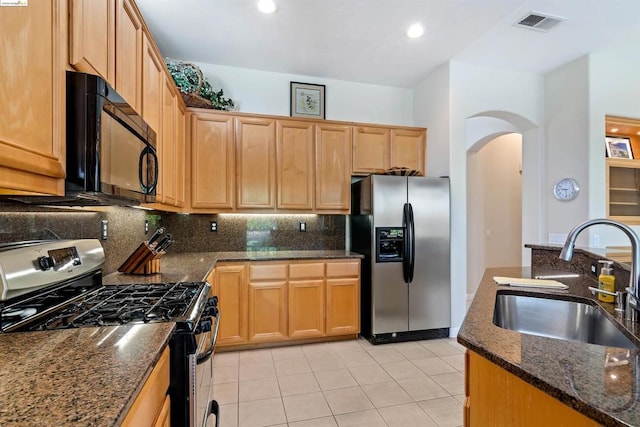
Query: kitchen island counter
pixel 76 377
pixel 572 372
pixel 196 266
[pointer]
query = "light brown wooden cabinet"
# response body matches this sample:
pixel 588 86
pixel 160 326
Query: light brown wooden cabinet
pixel 151 405
pixel 343 297
pixel 212 159
pixel 230 285
pixel 370 149
pixel 267 302
pixel 255 163
pixel 488 387
pixel 377 149
pixel 287 300
pixel 295 164
pixel 32 111
pixel 128 65
pixel 164 417
pixel 167 154
pixel 181 155
pixel 306 300
pixel 92 29
pixel 333 168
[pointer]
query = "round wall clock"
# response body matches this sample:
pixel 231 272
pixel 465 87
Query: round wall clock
pixel 566 189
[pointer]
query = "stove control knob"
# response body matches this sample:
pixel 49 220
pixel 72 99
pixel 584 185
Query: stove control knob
pixel 204 326
pixel 46 262
pixel 213 301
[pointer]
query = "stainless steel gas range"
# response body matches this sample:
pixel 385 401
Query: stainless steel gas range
pixel 49 285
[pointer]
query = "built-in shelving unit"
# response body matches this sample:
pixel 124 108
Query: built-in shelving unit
pixel 623 175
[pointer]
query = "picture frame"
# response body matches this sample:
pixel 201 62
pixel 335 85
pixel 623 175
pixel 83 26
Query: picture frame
pixel 618 147
pixel 307 100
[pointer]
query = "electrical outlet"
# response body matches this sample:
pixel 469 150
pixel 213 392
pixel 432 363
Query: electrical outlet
pixel 213 226
pixel 596 240
pixel 104 229
pixel 594 268
pixel 303 227
pixel 146 226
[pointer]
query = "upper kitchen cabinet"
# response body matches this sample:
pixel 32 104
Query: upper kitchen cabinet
pixel 408 148
pixel 167 153
pixel 370 150
pixel 295 169
pixel 255 162
pixel 152 86
pixel 129 53
pixel 92 37
pixel 32 111
pixel 333 168
pixel 181 155
pixel 377 149
pixel 212 158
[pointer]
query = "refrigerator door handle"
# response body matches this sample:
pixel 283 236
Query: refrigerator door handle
pixel 409 243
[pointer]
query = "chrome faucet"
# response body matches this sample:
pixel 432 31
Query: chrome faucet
pixel 634 279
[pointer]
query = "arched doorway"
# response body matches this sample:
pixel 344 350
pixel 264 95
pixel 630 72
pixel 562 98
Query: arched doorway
pixel 498 192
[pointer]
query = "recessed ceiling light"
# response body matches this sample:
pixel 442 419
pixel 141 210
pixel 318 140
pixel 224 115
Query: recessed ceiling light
pixel 267 6
pixel 614 130
pixel 415 31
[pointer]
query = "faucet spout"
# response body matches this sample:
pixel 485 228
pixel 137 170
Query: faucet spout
pixel 634 278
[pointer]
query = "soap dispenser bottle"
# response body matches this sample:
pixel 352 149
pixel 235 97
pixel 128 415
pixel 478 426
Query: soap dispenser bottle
pixel 606 281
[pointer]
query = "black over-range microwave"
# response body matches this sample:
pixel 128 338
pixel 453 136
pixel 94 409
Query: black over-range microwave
pixel 111 151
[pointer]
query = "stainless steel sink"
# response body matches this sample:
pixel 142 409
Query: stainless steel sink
pixel 561 319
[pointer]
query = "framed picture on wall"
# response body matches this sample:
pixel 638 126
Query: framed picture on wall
pixel 307 100
pixel 618 147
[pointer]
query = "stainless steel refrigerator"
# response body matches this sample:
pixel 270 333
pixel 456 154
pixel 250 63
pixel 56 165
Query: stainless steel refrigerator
pixel 401 224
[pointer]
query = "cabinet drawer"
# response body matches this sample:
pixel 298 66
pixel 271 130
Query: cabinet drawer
pixel 267 271
pixel 343 269
pixel 306 271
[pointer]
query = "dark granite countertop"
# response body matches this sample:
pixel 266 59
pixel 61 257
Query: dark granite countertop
pixel 570 371
pixel 76 377
pixel 195 266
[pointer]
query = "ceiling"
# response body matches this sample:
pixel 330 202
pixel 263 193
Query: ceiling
pixel 364 40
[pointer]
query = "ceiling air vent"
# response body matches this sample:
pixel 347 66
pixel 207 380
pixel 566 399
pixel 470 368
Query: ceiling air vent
pixel 539 21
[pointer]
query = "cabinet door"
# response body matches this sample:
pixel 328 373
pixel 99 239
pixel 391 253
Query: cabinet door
pixel 408 148
pixel 343 302
pixel 370 150
pixel 267 311
pixel 230 285
pixel 167 152
pixel 295 155
pixel 32 110
pixel 306 308
pixel 129 53
pixel 333 168
pixel 164 417
pixel 255 162
pixel 92 39
pixel 212 161
pixel 153 77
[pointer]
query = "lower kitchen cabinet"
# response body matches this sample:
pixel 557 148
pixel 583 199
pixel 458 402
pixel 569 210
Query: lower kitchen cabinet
pixel 151 407
pixel 496 397
pixel 306 308
pixel 230 285
pixel 266 301
pixel 267 311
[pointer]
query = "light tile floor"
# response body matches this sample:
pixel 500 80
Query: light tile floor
pixel 345 383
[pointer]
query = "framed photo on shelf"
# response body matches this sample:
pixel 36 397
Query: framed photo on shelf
pixel 618 147
pixel 307 100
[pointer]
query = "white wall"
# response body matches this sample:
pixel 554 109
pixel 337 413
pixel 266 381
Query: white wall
pixel 265 92
pixel 431 109
pixel 567 142
pixel 614 89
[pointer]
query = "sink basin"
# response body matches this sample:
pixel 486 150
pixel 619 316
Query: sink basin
pixel 561 319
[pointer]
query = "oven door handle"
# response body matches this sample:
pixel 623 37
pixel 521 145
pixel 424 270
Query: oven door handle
pixel 213 409
pixel 203 357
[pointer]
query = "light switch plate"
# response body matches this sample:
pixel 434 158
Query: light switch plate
pixel 557 238
pixel 303 227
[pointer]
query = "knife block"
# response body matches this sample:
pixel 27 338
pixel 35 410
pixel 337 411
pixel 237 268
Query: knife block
pixel 142 261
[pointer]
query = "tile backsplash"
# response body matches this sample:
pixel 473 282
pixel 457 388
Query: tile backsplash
pixel 191 232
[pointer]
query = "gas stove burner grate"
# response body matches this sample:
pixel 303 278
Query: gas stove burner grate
pixel 121 304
